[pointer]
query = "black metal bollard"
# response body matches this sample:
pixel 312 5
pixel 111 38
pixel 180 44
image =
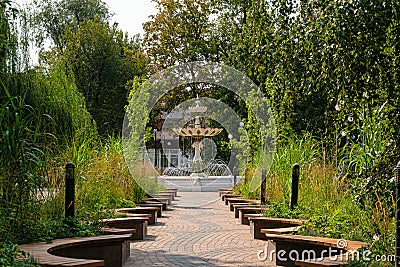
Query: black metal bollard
pixel 263 185
pixel 155 149
pixel 397 214
pixel 69 190
pixel 234 176
pixel 295 185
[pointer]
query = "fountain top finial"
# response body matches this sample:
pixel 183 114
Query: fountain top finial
pixel 198 108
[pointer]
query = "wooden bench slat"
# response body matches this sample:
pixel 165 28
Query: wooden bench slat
pixel 253 215
pixel 67 242
pixel 280 220
pixel 118 231
pixel 225 189
pixel 161 199
pixel 313 240
pixel 131 215
pixel 229 195
pixel 251 208
pixel 280 231
pixel 138 223
pixel 126 219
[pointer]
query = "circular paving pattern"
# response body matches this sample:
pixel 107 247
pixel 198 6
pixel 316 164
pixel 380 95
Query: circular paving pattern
pixel 193 235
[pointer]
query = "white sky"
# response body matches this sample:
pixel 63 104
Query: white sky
pixel 131 14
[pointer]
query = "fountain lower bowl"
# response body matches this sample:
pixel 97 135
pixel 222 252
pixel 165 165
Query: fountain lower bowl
pixel 197 182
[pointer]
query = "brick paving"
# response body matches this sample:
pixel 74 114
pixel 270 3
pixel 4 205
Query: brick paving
pixel 199 230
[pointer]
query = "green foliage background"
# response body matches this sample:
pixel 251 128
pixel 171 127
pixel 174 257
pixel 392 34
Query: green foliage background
pixel 329 70
pixel 46 121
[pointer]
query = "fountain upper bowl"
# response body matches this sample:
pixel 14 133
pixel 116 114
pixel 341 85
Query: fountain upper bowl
pixel 198 132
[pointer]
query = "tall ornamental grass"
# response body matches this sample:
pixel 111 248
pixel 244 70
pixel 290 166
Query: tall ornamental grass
pixel 328 199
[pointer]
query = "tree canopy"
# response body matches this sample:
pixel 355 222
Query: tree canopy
pixel 51 19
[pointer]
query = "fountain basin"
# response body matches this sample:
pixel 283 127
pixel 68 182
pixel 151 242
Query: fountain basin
pixel 197 183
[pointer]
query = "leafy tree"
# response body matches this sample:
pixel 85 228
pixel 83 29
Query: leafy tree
pixel 328 68
pixel 50 19
pixel 179 32
pixel 103 60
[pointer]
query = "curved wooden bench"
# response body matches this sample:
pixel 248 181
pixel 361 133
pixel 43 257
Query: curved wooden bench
pixel 137 223
pixel 253 215
pixel 308 248
pixel 159 199
pixel 134 215
pixel 248 202
pixel 153 205
pixel 236 206
pixel 142 210
pixel 259 223
pixel 174 190
pixel 106 250
pixel 131 215
pixel 234 200
pixel 229 195
pixel 117 231
pixel 243 211
pixel 170 195
pixel 223 191
pixel 164 204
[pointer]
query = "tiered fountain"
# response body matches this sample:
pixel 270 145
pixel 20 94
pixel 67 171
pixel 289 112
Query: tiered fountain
pixel 200 179
pixel 197 133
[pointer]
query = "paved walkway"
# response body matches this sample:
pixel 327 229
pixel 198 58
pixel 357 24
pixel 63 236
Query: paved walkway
pixel 193 235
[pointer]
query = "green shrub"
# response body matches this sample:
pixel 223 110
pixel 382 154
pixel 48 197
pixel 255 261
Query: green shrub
pixel 12 256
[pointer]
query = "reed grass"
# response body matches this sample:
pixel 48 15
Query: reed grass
pixel 32 167
pixel 325 199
